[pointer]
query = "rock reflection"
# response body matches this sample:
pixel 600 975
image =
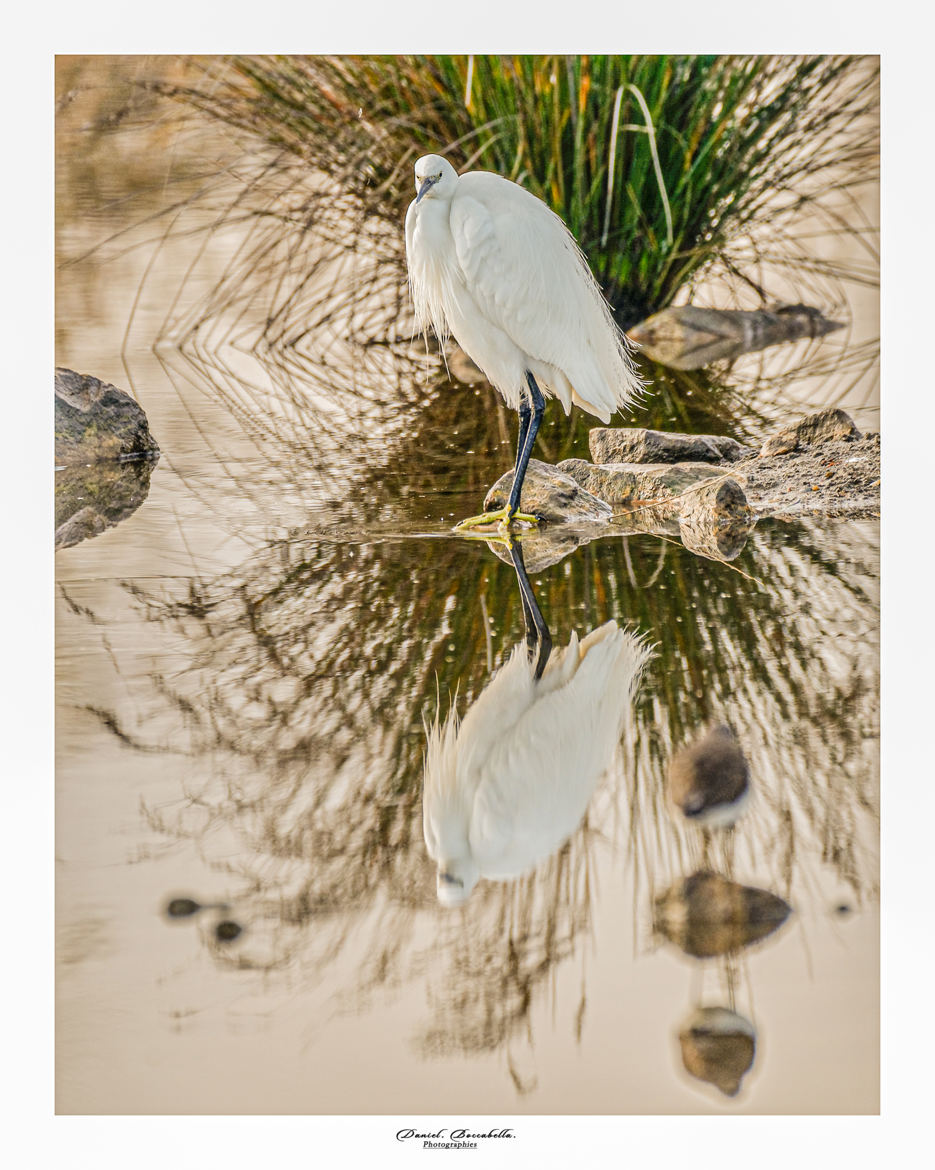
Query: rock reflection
pixel 182 908
pixel 91 499
pixel 189 907
pixel 709 779
pixel 508 785
pixel 718 1046
pixel 707 915
pixel 222 930
pixel 227 930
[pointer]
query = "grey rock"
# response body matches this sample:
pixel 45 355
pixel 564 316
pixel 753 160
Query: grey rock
pixel 623 484
pixel 638 445
pixel 95 421
pixel 550 494
pixel 824 426
pixel 839 477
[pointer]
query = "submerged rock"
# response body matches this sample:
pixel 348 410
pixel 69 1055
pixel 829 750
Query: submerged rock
pixel 718 1046
pixel 689 337
pixel 638 445
pixel 95 421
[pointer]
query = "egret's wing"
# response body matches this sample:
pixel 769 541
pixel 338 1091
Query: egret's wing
pixel 538 779
pixel 529 278
pixel 456 752
pixel 494 713
pixel 516 255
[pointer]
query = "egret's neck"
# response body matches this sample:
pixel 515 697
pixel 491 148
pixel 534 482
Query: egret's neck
pixel 432 225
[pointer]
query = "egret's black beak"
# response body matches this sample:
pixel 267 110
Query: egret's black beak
pixel 449 879
pixel 427 183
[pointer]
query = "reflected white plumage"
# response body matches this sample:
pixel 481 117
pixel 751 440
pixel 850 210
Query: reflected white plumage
pixel 508 785
pixel 494 266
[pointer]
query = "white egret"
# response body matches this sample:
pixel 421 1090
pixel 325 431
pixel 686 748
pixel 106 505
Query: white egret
pixel 709 780
pixel 494 266
pixel 508 785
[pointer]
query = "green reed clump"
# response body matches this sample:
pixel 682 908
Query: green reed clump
pixel 658 164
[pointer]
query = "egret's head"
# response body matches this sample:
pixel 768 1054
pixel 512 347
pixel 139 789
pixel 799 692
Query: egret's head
pixel 456 879
pixel 435 178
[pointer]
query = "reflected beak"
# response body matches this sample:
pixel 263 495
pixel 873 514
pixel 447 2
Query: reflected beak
pixel 449 879
pixel 426 186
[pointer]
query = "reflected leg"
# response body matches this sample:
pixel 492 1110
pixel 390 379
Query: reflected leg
pixel 538 637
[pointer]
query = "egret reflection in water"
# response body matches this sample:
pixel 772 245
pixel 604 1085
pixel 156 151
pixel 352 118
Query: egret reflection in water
pixel 508 784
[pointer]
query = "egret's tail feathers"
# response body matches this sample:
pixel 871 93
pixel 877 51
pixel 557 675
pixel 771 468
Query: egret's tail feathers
pixel 620 656
pixel 607 630
pixel 609 380
pixel 560 669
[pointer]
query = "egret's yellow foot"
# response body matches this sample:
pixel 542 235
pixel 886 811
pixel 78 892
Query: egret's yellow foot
pixel 500 518
pixel 502 537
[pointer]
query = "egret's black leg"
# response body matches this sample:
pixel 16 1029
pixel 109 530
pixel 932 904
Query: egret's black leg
pixel 530 416
pixel 538 638
pixel 525 414
pixel 529 428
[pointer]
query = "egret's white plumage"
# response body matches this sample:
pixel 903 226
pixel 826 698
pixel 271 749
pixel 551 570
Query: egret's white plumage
pixel 493 265
pixel 508 785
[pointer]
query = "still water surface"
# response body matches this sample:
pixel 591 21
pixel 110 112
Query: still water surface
pixel 244 668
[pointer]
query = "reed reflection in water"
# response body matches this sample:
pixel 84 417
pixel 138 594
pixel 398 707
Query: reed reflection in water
pixel 297 728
